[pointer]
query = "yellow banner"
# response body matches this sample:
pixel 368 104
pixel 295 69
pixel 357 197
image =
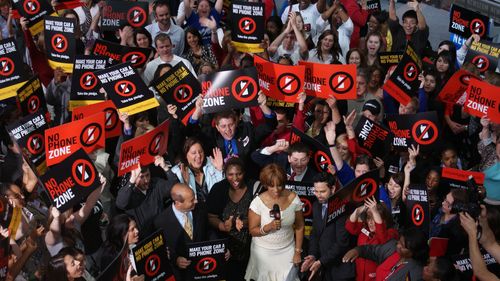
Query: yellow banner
pixel 140 107
pixel 247 48
pixel 10 91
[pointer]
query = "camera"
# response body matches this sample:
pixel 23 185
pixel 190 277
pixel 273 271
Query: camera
pixel 473 207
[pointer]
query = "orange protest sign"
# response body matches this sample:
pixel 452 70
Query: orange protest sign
pixel 324 80
pixel 483 99
pixel 280 82
pixel 143 149
pixel 112 123
pixel 63 140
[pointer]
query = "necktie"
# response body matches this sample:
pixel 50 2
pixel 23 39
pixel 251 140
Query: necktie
pixel 188 227
pixel 292 176
pixel 323 210
pixel 230 147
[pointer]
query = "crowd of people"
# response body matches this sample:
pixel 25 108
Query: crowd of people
pixel 224 174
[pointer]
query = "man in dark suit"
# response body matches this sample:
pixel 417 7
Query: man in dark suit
pixel 296 161
pixel 328 242
pixel 182 223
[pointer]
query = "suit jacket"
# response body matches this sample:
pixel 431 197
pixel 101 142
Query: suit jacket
pixel 282 160
pixel 329 243
pixel 176 238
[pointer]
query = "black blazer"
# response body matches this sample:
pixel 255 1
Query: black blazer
pixel 329 243
pixel 176 238
pixel 282 160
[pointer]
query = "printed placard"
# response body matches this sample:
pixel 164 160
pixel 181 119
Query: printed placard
pixel 455 178
pixel 305 191
pixel 325 80
pixel 320 153
pixel 32 99
pixel 143 149
pixel 63 140
pixel 126 89
pixel 71 181
pixel 483 99
pixel 112 123
pixel 12 76
pixel 117 53
pixel 248 26
pixel 373 6
pixel 404 80
pixel 280 82
pixel 388 59
pixel 116 14
pixel 455 87
pixel 373 137
pixel 355 193
pixel 484 55
pixel 150 256
pixel 229 89
pixel 417 207
pixel 29 132
pixel 463 264
pixel 60 42
pixel 33 11
pixel 179 87
pixel 421 128
pixel 84 83
pixel 465 22
pixel 68 4
pixel 207 260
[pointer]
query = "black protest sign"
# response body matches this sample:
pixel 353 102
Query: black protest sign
pixel 456 178
pixel 207 260
pixel 8 105
pixel 60 42
pixel 179 87
pixel 248 26
pixel 84 83
pixel 305 191
pixel 373 137
pixel 320 153
pixel 373 6
pixel 421 128
pixel 33 11
pixel 29 132
pixel 229 89
pixel 117 53
pixel 465 22
pixel 70 182
pixel 116 14
pixel 404 82
pixel 117 269
pixel 484 55
pixel 463 264
pixel 388 59
pixel 12 75
pixel 31 97
pixel 355 192
pixel 150 256
pixel 126 89
pixel 417 207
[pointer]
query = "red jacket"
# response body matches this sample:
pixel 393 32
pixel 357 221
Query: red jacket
pixel 358 16
pixel 365 269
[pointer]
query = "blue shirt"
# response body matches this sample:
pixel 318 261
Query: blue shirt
pixel 206 33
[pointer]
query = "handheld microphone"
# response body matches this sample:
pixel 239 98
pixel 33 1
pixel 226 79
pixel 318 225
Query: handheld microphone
pixel 276 212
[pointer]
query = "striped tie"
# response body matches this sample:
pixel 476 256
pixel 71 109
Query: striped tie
pixel 188 227
pixel 230 148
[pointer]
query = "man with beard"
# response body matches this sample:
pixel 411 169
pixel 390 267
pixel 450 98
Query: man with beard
pixel 163 24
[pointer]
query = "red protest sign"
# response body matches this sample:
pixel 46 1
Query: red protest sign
pixel 280 82
pixel 455 87
pixel 112 123
pixel 63 140
pixel 462 175
pixel 483 99
pixel 143 149
pixel 325 80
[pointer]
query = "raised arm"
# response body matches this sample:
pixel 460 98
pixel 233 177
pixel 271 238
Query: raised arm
pixel 392 11
pixel 298 34
pixel 83 213
pixel 218 6
pixel 187 9
pixel 421 19
pixel 330 138
pixel 410 165
pixel 277 42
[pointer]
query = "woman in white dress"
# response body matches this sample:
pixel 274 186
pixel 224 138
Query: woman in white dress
pixel 275 252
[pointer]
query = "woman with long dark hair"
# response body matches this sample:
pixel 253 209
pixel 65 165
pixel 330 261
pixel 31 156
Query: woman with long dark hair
pixel 228 204
pixel 121 230
pixel 327 50
pixel 195 51
pixel 197 170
